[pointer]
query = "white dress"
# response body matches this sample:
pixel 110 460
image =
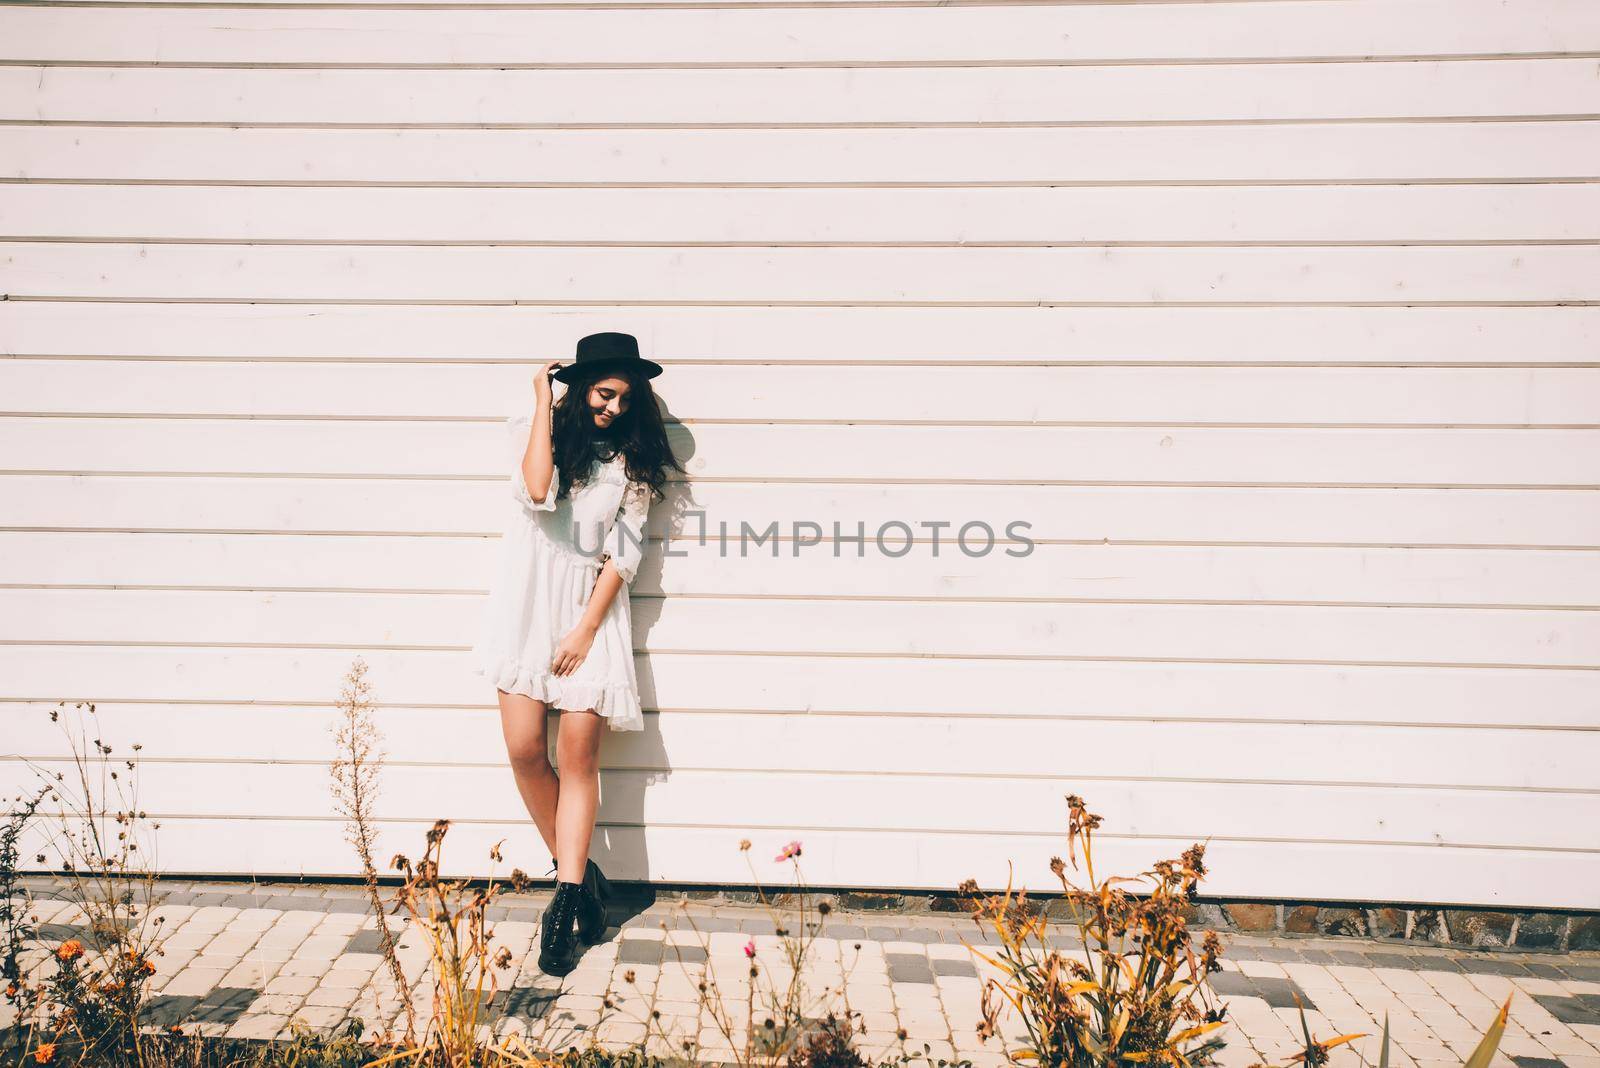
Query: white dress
pixel 550 557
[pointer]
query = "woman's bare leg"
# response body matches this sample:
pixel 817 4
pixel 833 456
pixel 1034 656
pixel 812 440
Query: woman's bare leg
pixel 577 753
pixel 523 721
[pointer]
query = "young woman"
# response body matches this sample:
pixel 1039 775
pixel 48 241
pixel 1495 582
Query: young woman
pixel 556 628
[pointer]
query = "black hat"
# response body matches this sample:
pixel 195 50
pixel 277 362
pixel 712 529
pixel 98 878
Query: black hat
pixel 607 351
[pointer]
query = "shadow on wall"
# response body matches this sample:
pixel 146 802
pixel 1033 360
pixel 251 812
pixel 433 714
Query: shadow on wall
pixel 631 762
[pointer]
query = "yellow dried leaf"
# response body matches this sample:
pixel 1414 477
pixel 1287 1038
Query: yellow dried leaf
pixel 1196 1032
pixel 1119 1025
pixel 1491 1039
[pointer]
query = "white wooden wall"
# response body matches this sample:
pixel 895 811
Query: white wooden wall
pixel 1277 320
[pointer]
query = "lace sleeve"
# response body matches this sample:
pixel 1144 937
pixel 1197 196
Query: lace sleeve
pixel 520 429
pixel 628 533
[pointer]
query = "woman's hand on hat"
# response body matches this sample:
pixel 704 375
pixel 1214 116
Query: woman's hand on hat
pixel 541 381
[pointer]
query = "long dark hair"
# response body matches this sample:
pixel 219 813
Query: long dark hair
pixel 639 434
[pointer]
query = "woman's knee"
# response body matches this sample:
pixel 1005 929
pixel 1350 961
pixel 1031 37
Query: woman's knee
pixel 528 753
pixel 579 766
pixel 578 745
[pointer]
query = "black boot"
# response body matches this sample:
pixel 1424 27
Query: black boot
pixel 558 941
pixel 592 906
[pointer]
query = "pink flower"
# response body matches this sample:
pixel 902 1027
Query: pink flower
pixel 790 850
pixel 750 948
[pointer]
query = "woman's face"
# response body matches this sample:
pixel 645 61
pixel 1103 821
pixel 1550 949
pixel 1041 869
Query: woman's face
pixel 608 400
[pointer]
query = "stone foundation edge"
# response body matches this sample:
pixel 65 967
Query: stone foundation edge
pixel 1522 930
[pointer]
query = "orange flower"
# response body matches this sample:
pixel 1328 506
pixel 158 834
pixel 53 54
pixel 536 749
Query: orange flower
pixel 45 1053
pixel 71 949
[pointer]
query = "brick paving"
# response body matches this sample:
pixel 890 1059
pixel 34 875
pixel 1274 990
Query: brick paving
pixel 246 962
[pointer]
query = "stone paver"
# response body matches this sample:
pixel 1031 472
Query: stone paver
pixel 248 963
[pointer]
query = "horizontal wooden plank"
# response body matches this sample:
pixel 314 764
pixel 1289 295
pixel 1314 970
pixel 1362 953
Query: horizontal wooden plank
pixel 1501 336
pixel 1044 454
pixel 891 858
pixel 1028 216
pixel 1010 630
pixel 1355 761
pixel 1046 33
pixel 1358 90
pixel 1139 276
pixel 1279 396
pixel 1437 152
pixel 1524 519
pixel 930 803
pixel 684 684
pixel 1100 573
pixel 1052 571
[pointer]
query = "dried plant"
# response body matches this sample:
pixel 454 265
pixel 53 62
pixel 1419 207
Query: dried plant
pixel 453 916
pixel 18 924
pixel 90 1000
pixel 1487 1045
pixel 515 1052
pixel 829 1046
pixel 780 1020
pixel 356 773
pixel 1315 1053
pixel 1139 994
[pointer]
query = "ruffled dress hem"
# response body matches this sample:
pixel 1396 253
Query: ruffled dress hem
pixel 615 701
